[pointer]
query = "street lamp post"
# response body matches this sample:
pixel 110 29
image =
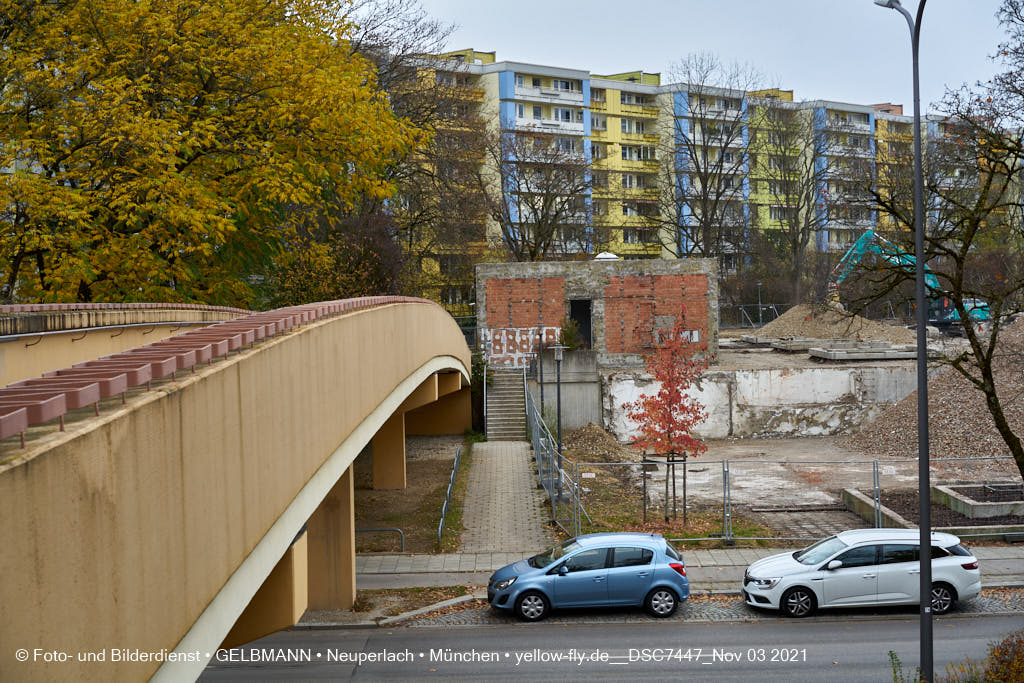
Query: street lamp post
pixel 923 476
pixel 558 398
pixel 540 367
pixel 760 319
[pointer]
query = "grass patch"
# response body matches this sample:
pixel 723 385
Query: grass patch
pixel 453 527
pixel 614 500
pixel 393 601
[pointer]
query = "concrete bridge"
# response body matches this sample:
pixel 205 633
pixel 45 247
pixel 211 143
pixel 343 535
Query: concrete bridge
pixel 197 491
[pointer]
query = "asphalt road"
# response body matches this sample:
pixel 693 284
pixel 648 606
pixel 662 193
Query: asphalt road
pixel 776 650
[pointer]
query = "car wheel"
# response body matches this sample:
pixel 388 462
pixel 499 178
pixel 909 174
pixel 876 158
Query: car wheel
pixel 661 602
pixel 943 597
pixel 798 602
pixel 532 606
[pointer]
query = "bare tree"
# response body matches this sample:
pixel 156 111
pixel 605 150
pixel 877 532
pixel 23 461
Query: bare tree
pixel 974 229
pixel 702 209
pixel 437 209
pixel 799 182
pixel 536 187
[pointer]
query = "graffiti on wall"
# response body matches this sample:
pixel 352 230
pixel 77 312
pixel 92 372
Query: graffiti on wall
pixel 512 346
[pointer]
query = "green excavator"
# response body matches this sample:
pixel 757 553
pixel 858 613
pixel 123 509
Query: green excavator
pixel 941 312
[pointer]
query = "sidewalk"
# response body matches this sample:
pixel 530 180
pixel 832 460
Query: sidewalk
pixel 708 570
pixel 504 511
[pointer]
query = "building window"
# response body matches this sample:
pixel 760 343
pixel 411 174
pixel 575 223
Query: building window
pixel 520 80
pixel 780 213
pixel 521 111
pixel 638 153
pixel 562 84
pixel 562 114
pixel 597 150
pixel 598 122
pixel 565 145
pixel 727 157
pixel 597 95
pixel 536 112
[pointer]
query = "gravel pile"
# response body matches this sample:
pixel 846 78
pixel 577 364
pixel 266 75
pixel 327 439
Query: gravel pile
pixel 959 423
pixel 822 322
pixel 593 444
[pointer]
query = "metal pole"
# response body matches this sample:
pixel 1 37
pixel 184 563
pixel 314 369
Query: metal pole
pixel 540 367
pixel 760 317
pixel 558 381
pixel 923 474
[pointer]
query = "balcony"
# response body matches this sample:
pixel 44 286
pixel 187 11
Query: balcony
pixel 848 126
pixel 644 110
pixel 549 95
pixel 550 126
pixel 640 138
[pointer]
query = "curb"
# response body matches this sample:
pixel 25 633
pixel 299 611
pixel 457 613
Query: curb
pixel 390 621
pixel 384 622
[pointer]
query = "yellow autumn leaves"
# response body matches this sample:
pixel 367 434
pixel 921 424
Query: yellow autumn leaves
pixel 159 149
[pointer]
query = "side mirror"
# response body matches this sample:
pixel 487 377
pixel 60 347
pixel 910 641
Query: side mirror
pixel 563 571
pixel 835 564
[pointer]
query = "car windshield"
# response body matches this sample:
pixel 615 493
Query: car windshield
pixel 820 551
pixel 551 554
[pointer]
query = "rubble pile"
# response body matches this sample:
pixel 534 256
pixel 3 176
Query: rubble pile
pixel 593 444
pixel 823 322
pixel 959 423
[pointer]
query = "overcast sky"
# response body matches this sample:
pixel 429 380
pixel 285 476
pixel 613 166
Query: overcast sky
pixel 843 50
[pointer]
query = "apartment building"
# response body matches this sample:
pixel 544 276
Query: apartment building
pixel 675 169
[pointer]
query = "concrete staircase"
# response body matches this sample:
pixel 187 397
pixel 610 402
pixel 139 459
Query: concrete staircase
pixel 506 407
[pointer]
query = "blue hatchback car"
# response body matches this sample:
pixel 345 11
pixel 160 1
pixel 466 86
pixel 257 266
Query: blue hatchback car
pixel 595 570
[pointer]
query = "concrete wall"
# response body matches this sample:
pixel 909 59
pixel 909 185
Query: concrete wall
pixel 120 532
pixel 581 389
pixel 774 402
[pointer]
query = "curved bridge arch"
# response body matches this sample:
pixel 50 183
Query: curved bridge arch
pixel 152 526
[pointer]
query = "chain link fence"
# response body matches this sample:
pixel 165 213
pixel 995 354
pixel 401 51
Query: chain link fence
pixel 556 475
pixel 794 501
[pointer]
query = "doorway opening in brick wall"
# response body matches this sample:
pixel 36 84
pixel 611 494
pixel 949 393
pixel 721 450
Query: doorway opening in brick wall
pixel 580 311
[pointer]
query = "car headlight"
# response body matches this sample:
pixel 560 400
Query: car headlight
pixel 505 583
pixel 766 583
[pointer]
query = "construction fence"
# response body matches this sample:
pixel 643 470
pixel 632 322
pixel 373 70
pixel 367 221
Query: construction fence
pixel 751 500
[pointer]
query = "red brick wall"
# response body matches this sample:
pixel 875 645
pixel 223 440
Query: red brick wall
pixel 633 302
pixel 525 302
pixel 516 307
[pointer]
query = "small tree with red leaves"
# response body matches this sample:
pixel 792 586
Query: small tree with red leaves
pixel 667 418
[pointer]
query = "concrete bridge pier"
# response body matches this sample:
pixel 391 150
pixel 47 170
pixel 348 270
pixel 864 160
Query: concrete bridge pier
pixel 331 548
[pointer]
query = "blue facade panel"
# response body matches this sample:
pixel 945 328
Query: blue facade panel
pixel 507 115
pixel 506 85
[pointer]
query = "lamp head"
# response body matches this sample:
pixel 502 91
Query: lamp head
pixel 891 4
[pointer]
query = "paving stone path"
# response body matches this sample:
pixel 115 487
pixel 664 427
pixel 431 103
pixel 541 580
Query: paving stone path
pixel 504 511
pixel 721 608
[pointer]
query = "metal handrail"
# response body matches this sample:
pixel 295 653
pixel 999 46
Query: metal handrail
pixel 448 496
pixel 401 535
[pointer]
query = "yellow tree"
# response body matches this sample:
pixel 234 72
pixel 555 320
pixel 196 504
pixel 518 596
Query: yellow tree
pixel 163 149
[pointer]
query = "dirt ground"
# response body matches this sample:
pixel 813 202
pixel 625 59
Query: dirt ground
pixel 769 475
pixel 415 509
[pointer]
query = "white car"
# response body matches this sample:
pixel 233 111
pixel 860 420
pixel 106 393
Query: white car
pixel 862 567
